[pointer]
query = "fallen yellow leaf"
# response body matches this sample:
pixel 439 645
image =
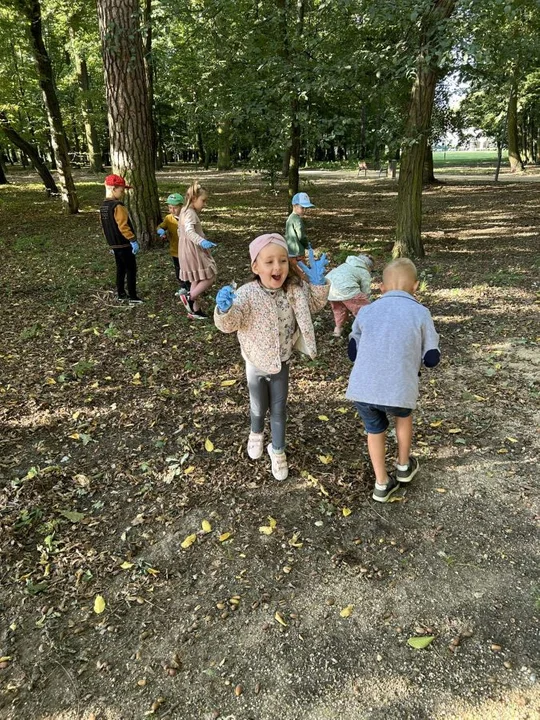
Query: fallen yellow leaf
pixel 5 658
pixel 189 470
pixel 126 565
pixel 272 522
pixel 99 604
pixel 323 418
pixel 479 398
pixel 266 529
pixel 208 445
pixel 502 451
pixel 228 383
pixel 152 571
pixel 206 526
pixel 50 381
pixel 188 542
pixel 454 431
pixel 346 511
pixel 279 617
pixel 440 490
pixel 436 423
pixel 342 410
pixel 325 459
pixel 346 612
pixel 224 536
pixel 512 440
pixel 294 541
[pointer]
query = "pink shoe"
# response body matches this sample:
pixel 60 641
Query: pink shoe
pixel 280 467
pixel 255 445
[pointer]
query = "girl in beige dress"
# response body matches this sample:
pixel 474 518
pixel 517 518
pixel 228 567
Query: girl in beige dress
pixel 196 263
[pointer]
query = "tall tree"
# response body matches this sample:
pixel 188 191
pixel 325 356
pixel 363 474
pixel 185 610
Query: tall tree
pixel 428 68
pixel 25 147
pixel 85 99
pixel 31 10
pixel 130 121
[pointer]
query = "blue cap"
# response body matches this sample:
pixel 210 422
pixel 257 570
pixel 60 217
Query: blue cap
pixel 302 199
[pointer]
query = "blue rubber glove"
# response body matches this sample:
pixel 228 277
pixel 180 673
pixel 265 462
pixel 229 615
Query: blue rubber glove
pixel 161 232
pixel 135 246
pixel 225 297
pixel 314 273
pixel 206 244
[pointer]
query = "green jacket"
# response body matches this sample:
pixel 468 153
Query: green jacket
pixel 295 235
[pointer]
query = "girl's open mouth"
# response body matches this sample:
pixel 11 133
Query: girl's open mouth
pixel 276 278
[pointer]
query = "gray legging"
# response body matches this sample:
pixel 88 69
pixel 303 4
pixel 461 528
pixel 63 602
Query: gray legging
pixel 269 391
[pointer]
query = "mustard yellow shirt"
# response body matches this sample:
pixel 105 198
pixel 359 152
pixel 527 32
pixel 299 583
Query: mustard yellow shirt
pixel 170 224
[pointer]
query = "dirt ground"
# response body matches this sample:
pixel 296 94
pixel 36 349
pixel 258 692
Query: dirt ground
pixel 122 429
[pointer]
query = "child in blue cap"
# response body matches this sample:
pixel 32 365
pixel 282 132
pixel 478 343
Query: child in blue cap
pixel 295 231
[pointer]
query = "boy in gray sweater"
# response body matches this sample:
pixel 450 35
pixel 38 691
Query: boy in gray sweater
pixel 390 340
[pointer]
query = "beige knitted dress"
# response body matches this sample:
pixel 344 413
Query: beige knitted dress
pixel 195 263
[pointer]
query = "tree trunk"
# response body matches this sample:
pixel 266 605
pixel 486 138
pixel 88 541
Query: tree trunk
pixel 295 141
pixel 409 209
pixel 499 160
pixel 85 104
pixel 224 145
pixel 428 175
pixel 201 149
pixel 32 11
pixel 514 157
pixel 150 72
pixel 3 178
pixel 130 123
pixel 32 152
pixel 285 162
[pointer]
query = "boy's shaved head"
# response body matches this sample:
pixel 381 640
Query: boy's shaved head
pixel 400 274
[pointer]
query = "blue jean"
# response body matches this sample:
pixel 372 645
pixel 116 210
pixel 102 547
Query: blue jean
pixel 269 392
pixel 375 417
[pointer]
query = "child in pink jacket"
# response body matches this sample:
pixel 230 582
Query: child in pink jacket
pixel 272 316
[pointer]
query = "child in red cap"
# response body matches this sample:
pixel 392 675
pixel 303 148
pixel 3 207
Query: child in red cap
pixel 120 236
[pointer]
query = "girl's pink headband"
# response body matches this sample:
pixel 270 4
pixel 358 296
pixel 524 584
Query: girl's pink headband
pixel 262 241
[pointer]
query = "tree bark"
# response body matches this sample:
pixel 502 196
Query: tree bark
pixel 514 157
pixel 295 143
pixel 26 148
pixel 130 122
pixel 32 12
pixel 224 145
pixel 428 173
pixel 3 178
pixel 409 209
pixel 85 104
pixel 150 73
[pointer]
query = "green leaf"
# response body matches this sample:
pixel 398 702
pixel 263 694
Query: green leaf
pixel 72 515
pixel 419 643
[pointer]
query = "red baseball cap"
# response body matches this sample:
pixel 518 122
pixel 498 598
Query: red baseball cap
pixel 117 181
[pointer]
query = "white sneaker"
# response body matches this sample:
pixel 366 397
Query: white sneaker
pixel 255 445
pixel 280 468
pixel 338 332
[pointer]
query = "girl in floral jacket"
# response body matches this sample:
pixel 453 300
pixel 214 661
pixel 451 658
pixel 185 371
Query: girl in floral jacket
pixel 272 316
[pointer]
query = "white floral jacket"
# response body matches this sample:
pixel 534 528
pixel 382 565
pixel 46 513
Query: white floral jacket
pixel 253 315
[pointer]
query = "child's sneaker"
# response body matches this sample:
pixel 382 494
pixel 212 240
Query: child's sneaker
pixel 280 468
pixel 255 445
pixel 122 298
pixel 181 291
pixel 338 332
pixel 197 315
pixel 405 476
pixel 186 302
pixel 384 495
pixel 135 300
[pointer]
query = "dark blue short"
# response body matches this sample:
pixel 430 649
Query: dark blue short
pixel 375 417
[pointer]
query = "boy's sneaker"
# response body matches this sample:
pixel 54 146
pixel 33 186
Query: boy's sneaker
pixel 135 300
pixel 384 495
pixel 197 315
pixel 122 298
pixel 338 332
pixel 255 445
pixel 280 468
pixel 405 476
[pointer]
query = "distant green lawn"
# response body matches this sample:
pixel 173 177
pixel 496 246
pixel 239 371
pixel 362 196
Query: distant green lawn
pixel 467 158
